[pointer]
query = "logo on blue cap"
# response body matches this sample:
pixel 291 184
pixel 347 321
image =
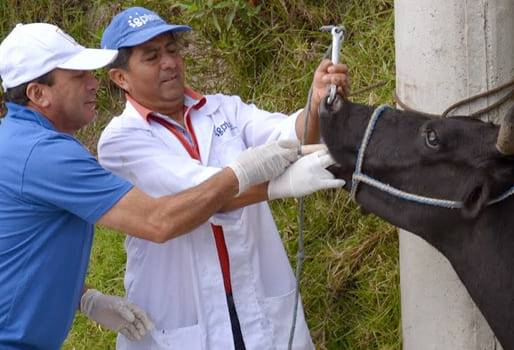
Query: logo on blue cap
pixel 139 21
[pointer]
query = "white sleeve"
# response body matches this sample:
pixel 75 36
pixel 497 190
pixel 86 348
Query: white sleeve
pixel 144 160
pixel 259 126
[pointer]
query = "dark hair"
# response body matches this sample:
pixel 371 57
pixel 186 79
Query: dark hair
pixel 121 62
pixel 18 94
pixel 122 59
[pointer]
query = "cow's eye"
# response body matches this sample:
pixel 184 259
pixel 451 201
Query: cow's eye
pixel 431 139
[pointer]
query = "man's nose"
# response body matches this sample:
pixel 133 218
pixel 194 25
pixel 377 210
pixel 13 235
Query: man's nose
pixel 92 82
pixel 168 61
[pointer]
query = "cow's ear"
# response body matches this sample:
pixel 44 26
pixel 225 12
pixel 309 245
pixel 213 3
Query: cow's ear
pixel 476 199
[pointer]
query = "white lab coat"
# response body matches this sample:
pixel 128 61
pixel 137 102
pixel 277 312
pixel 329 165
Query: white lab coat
pixel 179 283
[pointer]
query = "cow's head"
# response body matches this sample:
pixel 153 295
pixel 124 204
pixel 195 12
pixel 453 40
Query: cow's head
pixel 454 158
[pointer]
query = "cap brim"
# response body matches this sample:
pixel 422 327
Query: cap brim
pixel 90 59
pixel 151 32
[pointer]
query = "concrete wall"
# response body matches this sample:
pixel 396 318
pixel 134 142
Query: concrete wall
pixel 447 50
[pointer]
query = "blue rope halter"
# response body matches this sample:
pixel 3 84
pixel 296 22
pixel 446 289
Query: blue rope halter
pixel 359 177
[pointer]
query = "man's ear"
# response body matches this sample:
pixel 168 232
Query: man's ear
pixel 119 77
pixel 39 95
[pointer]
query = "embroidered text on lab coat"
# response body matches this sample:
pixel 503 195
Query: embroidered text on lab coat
pixel 220 130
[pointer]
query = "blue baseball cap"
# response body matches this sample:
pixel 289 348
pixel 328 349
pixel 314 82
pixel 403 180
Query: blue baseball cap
pixel 134 26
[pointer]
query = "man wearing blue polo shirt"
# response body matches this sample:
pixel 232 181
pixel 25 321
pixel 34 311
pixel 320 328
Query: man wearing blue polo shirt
pixel 52 192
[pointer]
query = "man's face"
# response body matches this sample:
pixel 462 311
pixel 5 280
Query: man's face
pixel 155 75
pixel 72 99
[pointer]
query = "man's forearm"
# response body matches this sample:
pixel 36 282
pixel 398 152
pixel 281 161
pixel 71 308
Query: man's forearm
pixel 163 218
pixel 183 212
pixel 254 194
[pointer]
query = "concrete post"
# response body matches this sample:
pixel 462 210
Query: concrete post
pixel 446 50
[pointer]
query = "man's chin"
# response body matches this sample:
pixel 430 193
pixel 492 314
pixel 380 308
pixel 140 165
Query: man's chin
pixel 177 97
pixel 89 118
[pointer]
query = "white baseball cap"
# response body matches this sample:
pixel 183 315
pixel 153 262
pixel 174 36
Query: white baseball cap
pixel 32 50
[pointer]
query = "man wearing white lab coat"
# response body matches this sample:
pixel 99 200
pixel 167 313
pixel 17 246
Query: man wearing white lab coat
pixel 228 283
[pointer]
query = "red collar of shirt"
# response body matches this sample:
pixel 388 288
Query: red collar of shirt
pixel 188 92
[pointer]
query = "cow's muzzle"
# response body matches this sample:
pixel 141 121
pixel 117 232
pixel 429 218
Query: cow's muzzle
pixel 327 110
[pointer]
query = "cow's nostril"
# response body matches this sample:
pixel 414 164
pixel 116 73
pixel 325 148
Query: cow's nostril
pixel 474 196
pixel 476 200
pixel 327 110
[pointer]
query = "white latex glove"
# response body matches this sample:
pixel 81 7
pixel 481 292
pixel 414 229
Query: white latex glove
pixel 262 163
pixel 305 176
pixel 116 313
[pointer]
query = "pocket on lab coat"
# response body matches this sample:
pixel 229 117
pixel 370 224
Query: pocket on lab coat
pixel 190 338
pixel 280 312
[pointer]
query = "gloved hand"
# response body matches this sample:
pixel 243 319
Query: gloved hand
pixel 115 313
pixel 262 163
pixel 305 176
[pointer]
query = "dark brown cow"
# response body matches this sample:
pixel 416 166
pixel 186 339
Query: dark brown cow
pixel 445 179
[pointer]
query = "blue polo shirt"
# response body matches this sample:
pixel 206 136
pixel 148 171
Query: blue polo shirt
pixel 52 191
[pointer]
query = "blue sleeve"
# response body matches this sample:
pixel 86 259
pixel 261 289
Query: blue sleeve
pixel 60 172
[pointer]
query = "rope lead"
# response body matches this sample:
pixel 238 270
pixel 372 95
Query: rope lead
pixel 300 254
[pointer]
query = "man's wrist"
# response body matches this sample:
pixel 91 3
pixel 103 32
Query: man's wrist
pixel 231 179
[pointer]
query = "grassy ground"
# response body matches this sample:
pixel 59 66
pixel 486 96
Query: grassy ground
pixel 266 52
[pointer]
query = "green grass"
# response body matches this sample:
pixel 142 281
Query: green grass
pixel 267 55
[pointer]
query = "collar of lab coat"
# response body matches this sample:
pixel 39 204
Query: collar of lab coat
pixel 135 116
pixel 191 99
